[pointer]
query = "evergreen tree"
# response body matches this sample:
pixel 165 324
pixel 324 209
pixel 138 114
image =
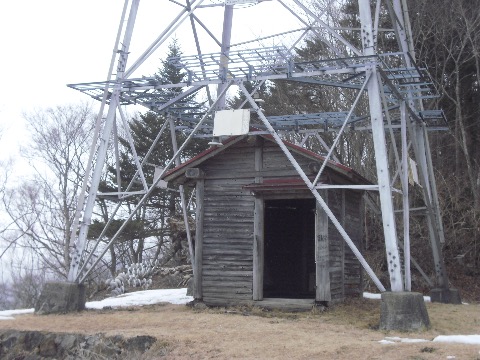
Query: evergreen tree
pixel 158 218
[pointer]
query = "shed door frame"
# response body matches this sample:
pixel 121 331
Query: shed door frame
pixel 322 273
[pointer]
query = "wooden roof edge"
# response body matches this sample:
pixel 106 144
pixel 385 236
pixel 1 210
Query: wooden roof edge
pixel 201 157
pixel 214 150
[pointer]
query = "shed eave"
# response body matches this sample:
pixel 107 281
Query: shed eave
pixel 175 173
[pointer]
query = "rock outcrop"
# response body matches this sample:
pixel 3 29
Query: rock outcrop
pixel 36 345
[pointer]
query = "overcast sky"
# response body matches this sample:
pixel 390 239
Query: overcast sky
pixel 45 45
pixel 49 43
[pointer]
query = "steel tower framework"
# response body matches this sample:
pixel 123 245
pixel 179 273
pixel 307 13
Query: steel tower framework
pixel 391 81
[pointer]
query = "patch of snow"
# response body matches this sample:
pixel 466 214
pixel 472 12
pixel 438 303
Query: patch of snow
pixel 368 295
pixel 460 339
pixel 393 338
pixel 139 298
pixel 414 340
pixel 9 313
pixel 396 339
pixel 386 342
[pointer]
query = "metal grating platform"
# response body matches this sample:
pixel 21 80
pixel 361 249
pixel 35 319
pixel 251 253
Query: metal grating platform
pixel 274 63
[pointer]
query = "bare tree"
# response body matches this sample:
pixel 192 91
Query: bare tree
pixel 447 38
pixel 451 50
pixel 42 206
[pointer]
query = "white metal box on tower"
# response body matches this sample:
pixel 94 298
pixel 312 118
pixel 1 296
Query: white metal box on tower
pixel 231 122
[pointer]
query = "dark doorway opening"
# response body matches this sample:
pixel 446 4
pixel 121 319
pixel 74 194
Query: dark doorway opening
pixel 289 264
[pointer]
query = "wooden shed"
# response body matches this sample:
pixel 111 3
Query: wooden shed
pixel 260 234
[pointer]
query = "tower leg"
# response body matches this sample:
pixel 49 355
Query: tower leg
pixel 378 135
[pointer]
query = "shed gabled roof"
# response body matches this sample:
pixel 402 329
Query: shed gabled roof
pixel 213 151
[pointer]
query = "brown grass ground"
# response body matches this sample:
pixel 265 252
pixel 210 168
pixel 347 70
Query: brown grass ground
pixel 346 331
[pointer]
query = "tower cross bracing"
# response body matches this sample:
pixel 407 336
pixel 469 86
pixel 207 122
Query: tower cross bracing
pixel 389 81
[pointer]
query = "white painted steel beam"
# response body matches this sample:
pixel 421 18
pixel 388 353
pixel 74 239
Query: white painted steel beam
pixel 332 32
pixel 169 30
pixel 122 196
pixel 151 189
pixel 405 199
pixel 351 187
pixel 102 150
pixel 182 193
pixel 224 52
pixel 340 132
pixel 378 134
pixel 422 152
pixel 96 134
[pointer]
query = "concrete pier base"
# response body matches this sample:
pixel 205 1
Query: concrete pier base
pixel 446 296
pixel 403 311
pixel 61 298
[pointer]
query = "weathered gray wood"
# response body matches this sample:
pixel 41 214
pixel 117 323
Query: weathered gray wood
pixel 231 239
pixel 258 226
pixel 194 173
pixel 343 222
pixel 228 279
pixel 292 305
pixel 225 264
pixel 227 302
pixel 353 281
pixel 259 155
pixel 285 195
pixel 198 293
pixel 234 220
pixel 258 249
pixel 235 229
pixel 232 291
pixel 336 248
pixel 230 243
pixel 213 258
pixel 322 279
pixel 233 298
pixel 219 252
pixel 213 273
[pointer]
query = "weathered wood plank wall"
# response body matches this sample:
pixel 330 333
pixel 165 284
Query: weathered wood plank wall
pixel 228 227
pixel 229 221
pixel 354 227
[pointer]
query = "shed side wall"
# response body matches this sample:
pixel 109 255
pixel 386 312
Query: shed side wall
pixel 228 227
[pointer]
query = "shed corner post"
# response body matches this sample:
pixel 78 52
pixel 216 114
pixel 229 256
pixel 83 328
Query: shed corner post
pixel 200 190
pixel 258 248
pixel 322 258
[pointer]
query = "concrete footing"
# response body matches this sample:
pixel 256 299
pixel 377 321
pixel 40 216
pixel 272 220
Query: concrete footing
pixel 61 298
pixel 403 311
pixel 446 296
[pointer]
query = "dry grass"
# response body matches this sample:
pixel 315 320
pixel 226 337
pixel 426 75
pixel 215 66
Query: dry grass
pixel 346 331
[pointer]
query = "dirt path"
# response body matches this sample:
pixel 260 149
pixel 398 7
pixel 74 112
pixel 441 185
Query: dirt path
pixel 344 332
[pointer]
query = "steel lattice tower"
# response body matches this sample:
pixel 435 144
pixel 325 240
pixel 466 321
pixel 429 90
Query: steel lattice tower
pixel 394 85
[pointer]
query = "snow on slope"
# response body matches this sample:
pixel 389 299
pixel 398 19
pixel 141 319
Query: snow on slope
pixel 138 298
